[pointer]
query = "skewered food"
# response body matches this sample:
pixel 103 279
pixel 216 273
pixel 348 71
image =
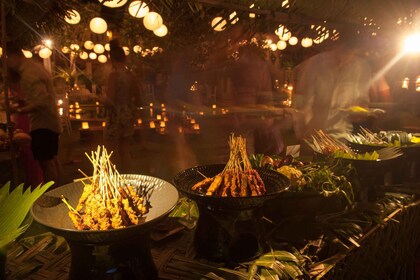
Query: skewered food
pixel 107 201
pixel 238 178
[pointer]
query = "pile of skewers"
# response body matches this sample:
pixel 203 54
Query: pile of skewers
pixel 238 178
pixel 107 201
pixel 324 144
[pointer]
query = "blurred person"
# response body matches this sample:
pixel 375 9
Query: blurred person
pixel 38 101
pixel 122 98
pixel 328 84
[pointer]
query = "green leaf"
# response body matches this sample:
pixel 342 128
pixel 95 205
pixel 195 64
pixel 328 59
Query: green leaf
pixel 285 256
pixel 269 274
pixel 292 270
pixel 14 208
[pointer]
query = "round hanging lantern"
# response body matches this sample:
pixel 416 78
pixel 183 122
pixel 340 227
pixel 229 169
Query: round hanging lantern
pixel 83 55
pixel 113 3
pixel 65 49
pixel 233 18
pixel 98 48
pixel 98 25
pixel 281 45
pixel 93 55
pixel 218 24
pixel 102 58
pixel 152 21
pixel 136 49
pixel 138 9
pixel 72 17
pixel 88 45
pixel 293 41
pixel 273 47
pixel 27 54
pixel 107 48
pixel 306 42
pixel 161 31
pixel 45 53
pixel 126 50
pixel 74 47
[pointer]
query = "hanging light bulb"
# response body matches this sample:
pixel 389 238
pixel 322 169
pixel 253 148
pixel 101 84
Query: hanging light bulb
pixel 161 31
pixel 293 41
pixel 138 9
pixel 83 55
pixel 88 45
pixel 98 25
pixel 218 24
pixel 93 55
pixel 281 45
pixel 306 42
pixel 102 58
pixel 45 53
pixel 27 54
pixel 113 3
pixel 98 48
pixel 152 21
pixel 72 17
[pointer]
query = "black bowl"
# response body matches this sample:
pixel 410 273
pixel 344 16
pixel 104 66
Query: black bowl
pixel 163 199
pixel 275 184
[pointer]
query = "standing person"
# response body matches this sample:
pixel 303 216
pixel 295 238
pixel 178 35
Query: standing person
pixel 328 84
pixel 38 101
pixel 122 98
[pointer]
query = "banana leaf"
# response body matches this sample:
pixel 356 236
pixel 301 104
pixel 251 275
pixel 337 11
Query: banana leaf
pixel 14 207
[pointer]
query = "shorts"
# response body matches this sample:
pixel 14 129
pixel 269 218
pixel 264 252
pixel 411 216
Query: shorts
pixel 44 144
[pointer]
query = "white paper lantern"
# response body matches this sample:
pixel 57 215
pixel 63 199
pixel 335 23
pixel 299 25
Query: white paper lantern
pixel 27 54
pixel 98 48
pixel 306 42
pixel 107 48
pixel 88 45
pixel 152 21
pixel 161 31
pixel 218 24
pixel 98 25
pixel 126 50
pixel 102 58
pixel 281 45
pixel 293 41
pixel 65 49
pixel 73 17
pixel 136 49
pixel 138 9
pixel 45 53
pixel 113 3
pixel 83 55
pixel 74 47
pixel 273 47
pixel 93 55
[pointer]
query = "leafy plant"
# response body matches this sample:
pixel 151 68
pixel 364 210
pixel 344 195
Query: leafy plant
pixel 14 207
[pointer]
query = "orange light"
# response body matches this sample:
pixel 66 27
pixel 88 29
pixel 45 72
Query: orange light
pixel 85 125
pixel 152 124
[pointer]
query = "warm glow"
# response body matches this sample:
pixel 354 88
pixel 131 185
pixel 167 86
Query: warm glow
pixel 65 49
pixel 405 83
pixel 83 55
pixel 412 44
pixel 72 17
pixel 218 24
pixel 152 124
pixel 273 47
pixel 293 41
pixel 138 9
pixel 158 117
pixel 78 117
pixel 93 55
pixel 306 42
pixel 85 125
pixel 151 104
pixel 196 126
pixel 98 48
pixel 162 124
pixel 113 3
pixel 45 53
pixel 98 25
pixel 418 83
pixel 139 121
pixel 27 54
pixel 152 21
pixel 74 47
pixel 126 50
pixel 281 45
pixel 102 58
pixel 107 48
pixel 233 18
pixel 161 31
pixel 103 124
pixel 88 45
pixel 214 106
pixel 136 49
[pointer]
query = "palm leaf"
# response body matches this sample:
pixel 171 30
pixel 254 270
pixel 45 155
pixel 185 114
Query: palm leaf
pixel 14 208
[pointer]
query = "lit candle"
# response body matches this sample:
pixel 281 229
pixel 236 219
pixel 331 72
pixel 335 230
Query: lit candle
pixel 151 112
pixel 201 113
pixel 61 111
pixel 196 126
pixel 139 121
pixel 152 124
pixel 192 121
pixel 60 102
pixel 151 104
pixel 158 117
pixel 214 106
pixel 76 104
pixel 78 111
pixel 85 125
pixel 78 116
pixel 103 124
pixel 405 83
pixel 165 118
pixel 162 105
pixel 162 124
